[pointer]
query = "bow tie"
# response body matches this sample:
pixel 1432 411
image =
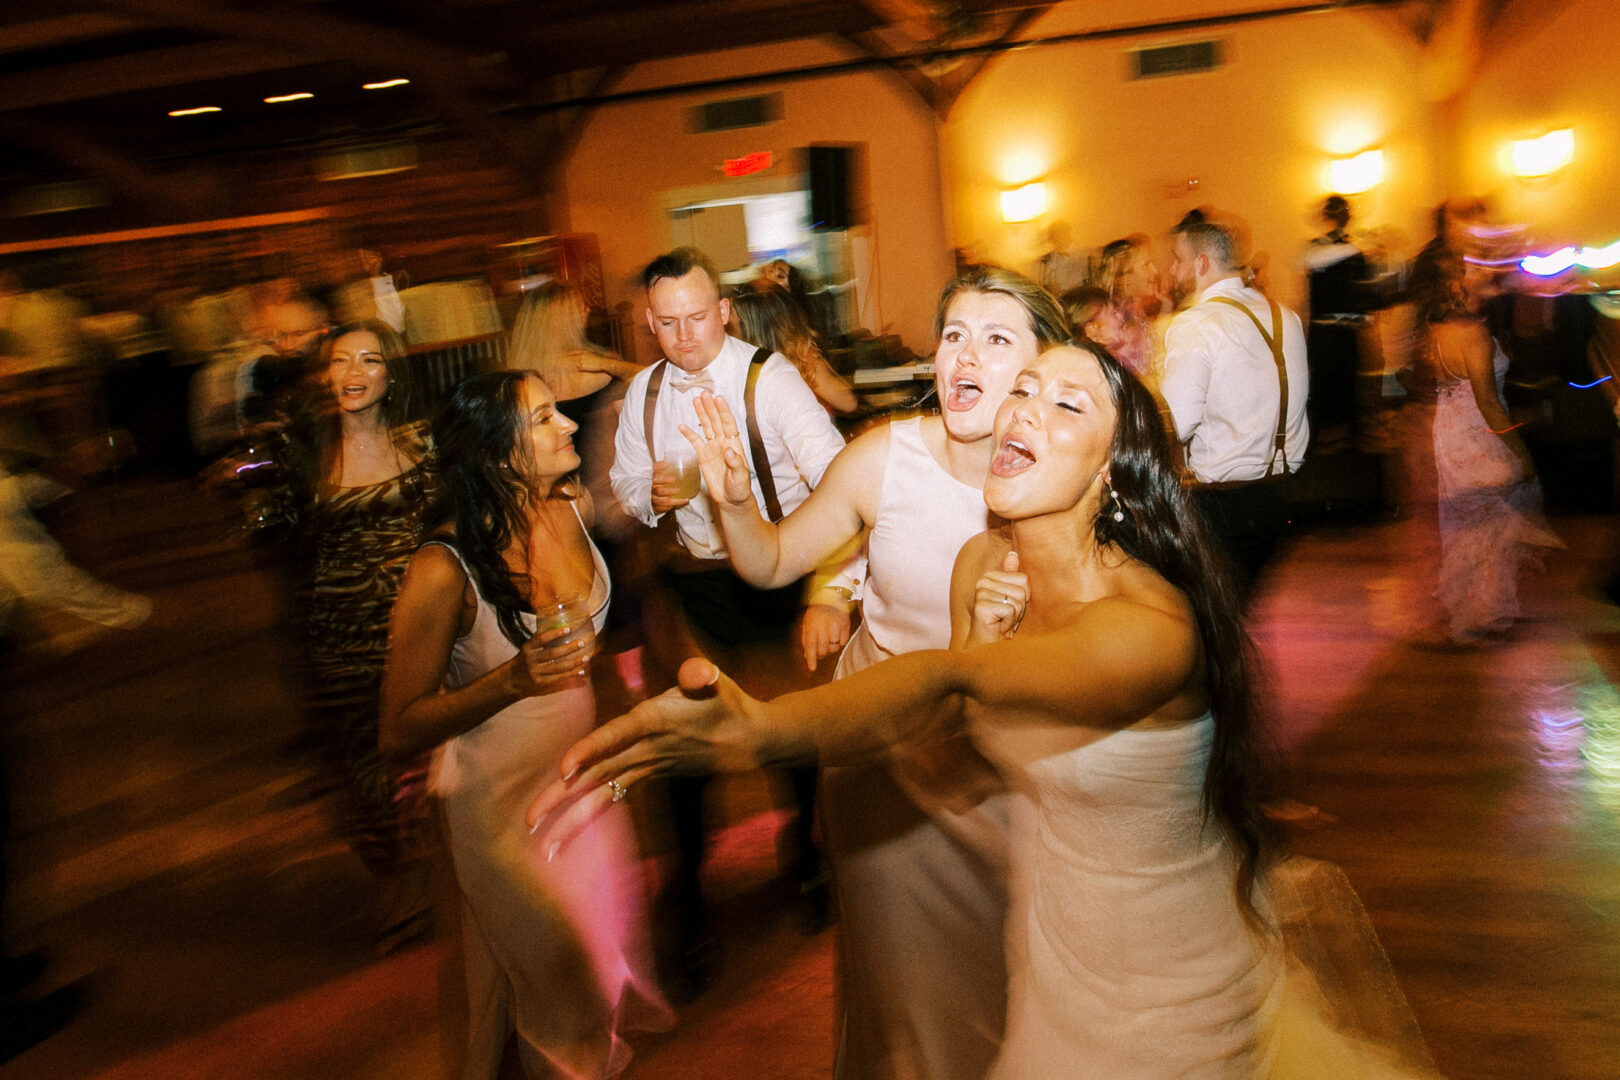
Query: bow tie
pixel 692 382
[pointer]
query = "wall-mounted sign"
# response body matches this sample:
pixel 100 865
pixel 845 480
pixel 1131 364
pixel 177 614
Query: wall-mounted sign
pixel 748 164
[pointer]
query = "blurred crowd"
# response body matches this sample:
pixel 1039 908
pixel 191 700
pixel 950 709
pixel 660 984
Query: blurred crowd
pixel 448 529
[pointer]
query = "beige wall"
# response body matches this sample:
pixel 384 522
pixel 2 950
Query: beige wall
pixel 1116 155
pixel 631 154
pixel 1558 71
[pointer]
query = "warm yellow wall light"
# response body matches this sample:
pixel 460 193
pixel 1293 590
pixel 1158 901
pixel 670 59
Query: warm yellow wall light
pixel 1023 203
pixel 1545 155
pixel 1354 175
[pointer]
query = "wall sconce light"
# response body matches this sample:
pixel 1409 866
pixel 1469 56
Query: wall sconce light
pixel 1355 175
pixel 1023 203
pixel 1544 155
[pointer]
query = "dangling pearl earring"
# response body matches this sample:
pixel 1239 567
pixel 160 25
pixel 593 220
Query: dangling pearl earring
pixel 1119 511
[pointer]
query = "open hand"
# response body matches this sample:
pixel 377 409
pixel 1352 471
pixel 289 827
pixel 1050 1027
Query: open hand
pixel 706 724
pixel 999 602
pixel 721 455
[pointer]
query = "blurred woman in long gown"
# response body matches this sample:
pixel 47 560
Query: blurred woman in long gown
pixel 555 951
pixel 1490 500
pixel 1103 666
pixel 356 477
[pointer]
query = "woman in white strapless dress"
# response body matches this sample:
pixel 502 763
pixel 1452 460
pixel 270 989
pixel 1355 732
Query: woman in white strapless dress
pixel 555 950
pixel 1103 667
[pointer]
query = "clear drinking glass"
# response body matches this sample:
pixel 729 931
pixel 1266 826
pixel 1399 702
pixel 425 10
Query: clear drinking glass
pixel 570 610
pixel 688 478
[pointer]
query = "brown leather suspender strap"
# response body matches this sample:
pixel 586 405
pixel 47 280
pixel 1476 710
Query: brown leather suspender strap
pixel 756 443
pixel 1274 342
pixel 655 382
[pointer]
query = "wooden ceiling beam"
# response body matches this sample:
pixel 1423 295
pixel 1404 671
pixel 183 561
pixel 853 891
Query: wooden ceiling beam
pixel 153 69
pixel 973 66
pixel 63 30
pixel 125 178
pixel 444 76
pixel 321 36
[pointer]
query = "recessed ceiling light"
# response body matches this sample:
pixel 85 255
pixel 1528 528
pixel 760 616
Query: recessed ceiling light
pixel 196 111
pixel 385 85
pixel 279 98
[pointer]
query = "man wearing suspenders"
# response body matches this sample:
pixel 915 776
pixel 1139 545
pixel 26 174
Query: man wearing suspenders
pixel 1235 381
pixel 790 442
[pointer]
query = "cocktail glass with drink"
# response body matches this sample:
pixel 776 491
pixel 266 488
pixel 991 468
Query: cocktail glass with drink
pixel 683 462
pixel 570 611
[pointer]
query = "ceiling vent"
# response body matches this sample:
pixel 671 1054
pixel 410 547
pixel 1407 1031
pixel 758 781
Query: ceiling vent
pixel 1187 58
pixel 737 113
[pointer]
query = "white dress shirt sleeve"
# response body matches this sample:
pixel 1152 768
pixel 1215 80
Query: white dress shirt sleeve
pixel 1189 360
pixel 790 408
pixel 631 474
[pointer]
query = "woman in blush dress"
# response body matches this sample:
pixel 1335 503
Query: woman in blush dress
pixel 555 951
pixel 1489 497
pixel 918 847
pixel 1102 664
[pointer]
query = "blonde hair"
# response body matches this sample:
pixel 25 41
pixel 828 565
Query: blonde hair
pixel 767 316
pixel 550 333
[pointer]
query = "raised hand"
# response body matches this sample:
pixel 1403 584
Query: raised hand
pixel 999 602
pixel 721 455
pixel 705 725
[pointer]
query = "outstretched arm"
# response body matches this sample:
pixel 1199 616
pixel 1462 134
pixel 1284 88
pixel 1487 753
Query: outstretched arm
pixel 1114 663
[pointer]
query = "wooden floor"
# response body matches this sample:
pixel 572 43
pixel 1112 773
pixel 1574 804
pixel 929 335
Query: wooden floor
pixel 166 850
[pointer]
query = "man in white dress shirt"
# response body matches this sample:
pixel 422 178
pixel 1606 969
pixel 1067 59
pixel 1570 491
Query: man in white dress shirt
pixel 743 629
pixel 1236 383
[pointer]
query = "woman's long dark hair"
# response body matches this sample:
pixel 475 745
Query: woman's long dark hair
pixel 476 433
pixel 1164 530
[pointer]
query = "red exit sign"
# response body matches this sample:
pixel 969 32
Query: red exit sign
pixel 748 164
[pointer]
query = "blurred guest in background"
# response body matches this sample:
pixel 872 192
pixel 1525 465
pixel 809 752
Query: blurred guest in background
pixel 1235 381
pixel 269 389
pixel 1126 271
pixel 369 294
pixel 492 639
pixel 356 476
pixel 1094 316
pixel 37 581
pixel 1490 499
pixel 1064 266
pixel 768 317
pixel 1337 273
pixel 589 382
